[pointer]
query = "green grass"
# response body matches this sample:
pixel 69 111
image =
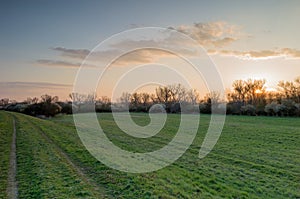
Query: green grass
pixel 42 171
pixel 255 157
pixel 6 131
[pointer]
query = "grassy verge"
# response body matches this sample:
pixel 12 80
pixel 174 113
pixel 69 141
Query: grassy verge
pixel 42 172
pixel 6 130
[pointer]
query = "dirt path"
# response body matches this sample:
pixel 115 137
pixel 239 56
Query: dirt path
pixel 12 188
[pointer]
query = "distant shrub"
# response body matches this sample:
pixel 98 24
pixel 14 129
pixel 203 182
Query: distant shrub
pixel 42 108
pixel 249 109
pixel 205 108
pixel 157 108
pixel 19 107
pixel 297 112
pixel 272 109
pixel 34 109
pixel 289 107
pixel 281 109
pixel 233 108
pixel 66 108
pixel 142 108
pixel 175 108
pixel 86 107
pixel 103 108
pixel 51 109
pixel 190 108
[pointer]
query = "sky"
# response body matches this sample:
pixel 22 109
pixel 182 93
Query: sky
pixel 44 43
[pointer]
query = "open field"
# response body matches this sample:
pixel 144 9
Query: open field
pixel 255 157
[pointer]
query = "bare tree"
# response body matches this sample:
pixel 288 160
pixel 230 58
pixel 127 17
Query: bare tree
pixel 135 99
pixel 104 100
pixel 83 98
pixel 49 99
pixel 146 98
pixel 163 94
pixel 30 100
pixel 290 90
pixel 76 97
pixel 213 97
pixel 239 91
pixel 125 98
pixel 247 91
pixel 193 96
pixel 178 93
pixel 4 102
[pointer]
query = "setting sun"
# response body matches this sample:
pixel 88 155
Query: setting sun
pixel 258 91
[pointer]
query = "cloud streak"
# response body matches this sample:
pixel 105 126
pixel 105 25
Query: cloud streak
pixel 259 55
pixel 73 53
pixel 55 63
pixel 21 90
pixel 139 56
pixel 63 64
pixel 34 84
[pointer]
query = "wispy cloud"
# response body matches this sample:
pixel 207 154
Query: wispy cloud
pixel 21 90
pixel 138 56
pixel 46 62
pixel 34 84
pixel 291 52
pixel 122 58
pixel 259 55
pixel 211 34
pixel 73 53
pixel 64 64
pixel 71 58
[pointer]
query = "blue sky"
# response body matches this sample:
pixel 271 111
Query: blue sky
pixel 31 29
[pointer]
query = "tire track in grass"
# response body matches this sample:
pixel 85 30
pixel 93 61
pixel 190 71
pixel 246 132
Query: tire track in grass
pixel 12 188
pixel 98 193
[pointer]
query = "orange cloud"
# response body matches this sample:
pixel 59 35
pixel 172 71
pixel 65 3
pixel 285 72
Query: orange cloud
pixel 64 64
pixel 46 62
pixel 257 55
pixel 211 34
pixel 141 56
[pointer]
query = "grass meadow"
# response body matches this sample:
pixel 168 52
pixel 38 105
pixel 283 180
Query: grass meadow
pixel 255 157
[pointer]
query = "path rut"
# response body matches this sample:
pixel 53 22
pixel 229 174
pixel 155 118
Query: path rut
pixel 12 188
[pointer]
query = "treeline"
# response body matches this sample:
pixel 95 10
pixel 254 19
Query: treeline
pixel 251 98
pixel 247 97
pixel 46 106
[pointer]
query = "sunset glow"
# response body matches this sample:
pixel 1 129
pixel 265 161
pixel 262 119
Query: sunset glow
pixel 258 91
pixel 245 40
